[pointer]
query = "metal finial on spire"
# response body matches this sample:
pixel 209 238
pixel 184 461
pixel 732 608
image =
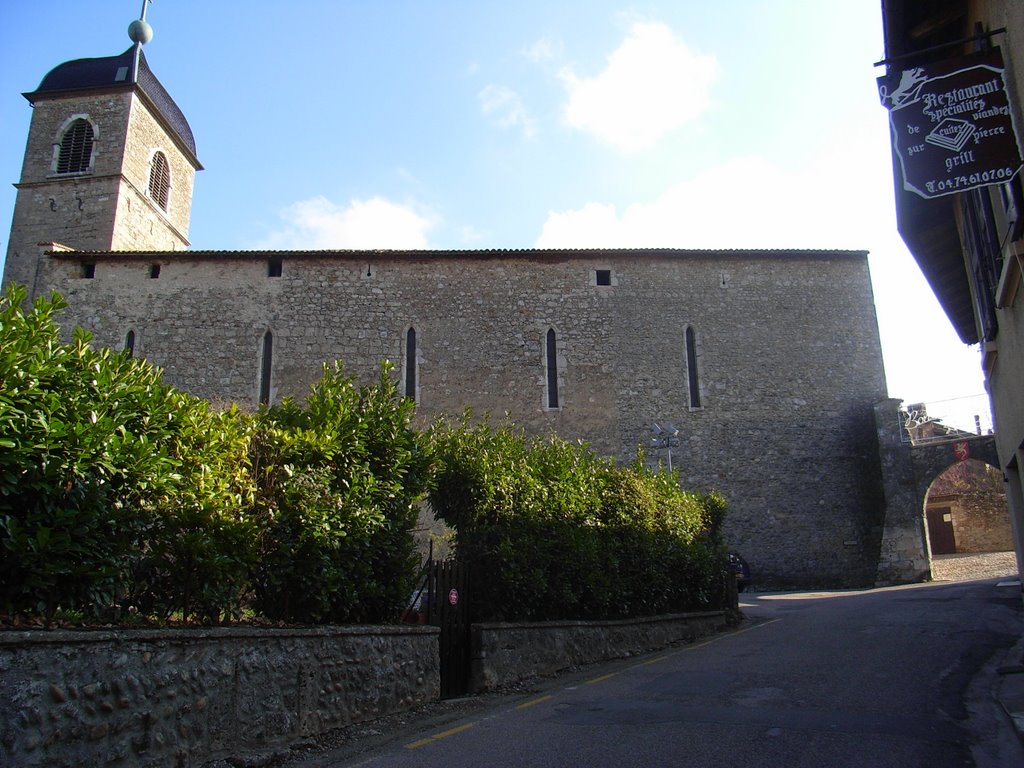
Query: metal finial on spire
pixel 139 30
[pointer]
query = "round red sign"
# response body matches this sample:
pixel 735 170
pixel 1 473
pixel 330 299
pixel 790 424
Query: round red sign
pixel 453 597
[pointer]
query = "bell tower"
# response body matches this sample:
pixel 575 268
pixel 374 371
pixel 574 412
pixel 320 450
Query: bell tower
pixel 109 165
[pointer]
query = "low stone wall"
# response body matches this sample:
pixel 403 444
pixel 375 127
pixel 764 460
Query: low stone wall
pixel 184 697
pixel 507 653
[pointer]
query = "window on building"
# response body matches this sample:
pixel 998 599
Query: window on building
pixel 88 270
pixel 1008 209
pixel 410 364
pixel 551 363
pixel 984 258
pixel 275 265
pixel 75 154
pixel 603 276
pixel 693 380
pixel 159 180
pixel 266 364
pixel 154 271
pixel 129 344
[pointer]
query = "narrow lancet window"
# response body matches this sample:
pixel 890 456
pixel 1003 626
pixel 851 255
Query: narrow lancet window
pixel 129 344
pixel 265 367
pixel 693 380
pixel 551 360
pixel 410 364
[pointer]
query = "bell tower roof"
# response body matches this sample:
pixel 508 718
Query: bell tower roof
pixel 112 73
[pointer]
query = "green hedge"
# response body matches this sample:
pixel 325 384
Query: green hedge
pixel 121 496
pixel 112 490
pixel 339 482
pixel 553 532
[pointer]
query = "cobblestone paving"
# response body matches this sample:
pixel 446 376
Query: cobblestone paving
pixel 986 565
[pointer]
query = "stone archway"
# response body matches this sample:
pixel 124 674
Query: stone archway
pixel 965 510
pixel 907 472
pixel 933 459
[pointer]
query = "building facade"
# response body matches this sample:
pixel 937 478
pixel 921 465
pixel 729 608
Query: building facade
pixel 767 362
pixel 967 237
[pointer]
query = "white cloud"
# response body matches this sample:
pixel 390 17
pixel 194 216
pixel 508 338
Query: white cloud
pixel 505 107
pixel 744 203
pixel 471 236
pixel 318 223
pixel 838 199
pixel 545 49
pixel 651 85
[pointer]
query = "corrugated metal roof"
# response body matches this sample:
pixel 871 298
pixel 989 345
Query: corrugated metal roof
pixel 488 253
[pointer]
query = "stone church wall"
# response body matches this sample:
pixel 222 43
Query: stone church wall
pixel 787 345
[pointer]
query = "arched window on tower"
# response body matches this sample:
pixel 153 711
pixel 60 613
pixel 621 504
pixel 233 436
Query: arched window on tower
pixel 692 378
pixel 159 180
pixel 129 344
pixel 75 153
pixel 410 364
pixel 551 365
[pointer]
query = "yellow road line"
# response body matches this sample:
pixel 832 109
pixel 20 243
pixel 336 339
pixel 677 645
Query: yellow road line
pixel 716 638
pixel 420 743
pixel 652 661
pixel 541 700
pixel 548 697
pixel 439 736
pixel 695 646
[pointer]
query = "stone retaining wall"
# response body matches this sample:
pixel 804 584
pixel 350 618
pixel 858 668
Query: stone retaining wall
pixel 184 697
pixel 507 653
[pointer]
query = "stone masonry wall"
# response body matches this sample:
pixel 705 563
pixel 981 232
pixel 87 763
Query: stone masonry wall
pixel 903 555
pixel 185 697
pixel 78 209
pixel 141 224
pixel 981 523
pixel 504 654
pixel 789 361
pixel 106 208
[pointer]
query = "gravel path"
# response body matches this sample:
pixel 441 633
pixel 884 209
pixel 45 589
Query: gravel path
pixel 985 565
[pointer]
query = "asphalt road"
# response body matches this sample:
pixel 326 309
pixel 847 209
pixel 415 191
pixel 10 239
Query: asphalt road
pixel 896 677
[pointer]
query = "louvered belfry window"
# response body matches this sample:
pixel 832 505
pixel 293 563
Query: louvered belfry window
pixel 75 154
pixel 159 180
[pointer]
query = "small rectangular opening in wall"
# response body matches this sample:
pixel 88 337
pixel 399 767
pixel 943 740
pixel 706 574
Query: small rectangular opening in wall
pixel 88 270
pixel 154 271
pixel 274 266
pixel 602 277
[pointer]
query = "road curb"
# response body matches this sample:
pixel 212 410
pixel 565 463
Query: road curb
pixel 1010 685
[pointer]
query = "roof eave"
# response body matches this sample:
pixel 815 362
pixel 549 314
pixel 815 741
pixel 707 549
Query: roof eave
pixel 181 144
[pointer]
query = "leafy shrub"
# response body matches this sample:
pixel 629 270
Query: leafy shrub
pixel 96 454
pixel 551 531
pixel 339 481
pixel 198 548
pixel 120 494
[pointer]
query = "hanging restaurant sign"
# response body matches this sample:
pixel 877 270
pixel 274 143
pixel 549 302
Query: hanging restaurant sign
pixel 952 126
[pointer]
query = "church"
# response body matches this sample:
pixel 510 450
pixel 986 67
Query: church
pixel 766 363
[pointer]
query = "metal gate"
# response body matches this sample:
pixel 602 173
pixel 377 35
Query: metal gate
pixel 448 608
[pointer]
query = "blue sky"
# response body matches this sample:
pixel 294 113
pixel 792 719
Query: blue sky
pixel 443 124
